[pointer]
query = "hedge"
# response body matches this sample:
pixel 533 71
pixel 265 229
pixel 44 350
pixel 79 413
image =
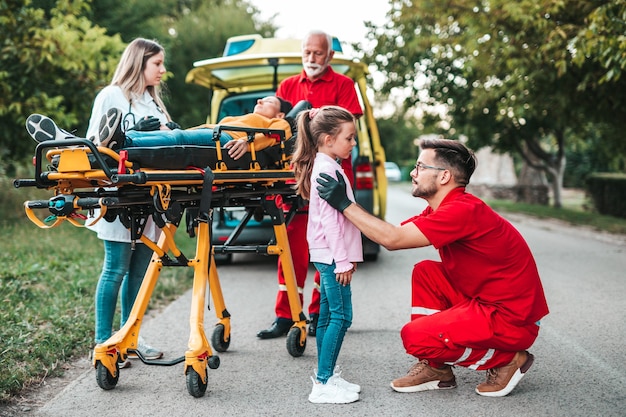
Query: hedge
pixel 608 193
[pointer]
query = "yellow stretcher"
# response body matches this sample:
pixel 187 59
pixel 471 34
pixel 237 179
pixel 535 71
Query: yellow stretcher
pixel 84 177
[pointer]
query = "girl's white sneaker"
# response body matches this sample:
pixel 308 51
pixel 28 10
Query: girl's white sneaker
pixel 330 393
pixel 342 383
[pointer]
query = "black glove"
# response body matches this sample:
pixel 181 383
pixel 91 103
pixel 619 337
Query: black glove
pixel 147 123
pixel 333 191
pixel 173 125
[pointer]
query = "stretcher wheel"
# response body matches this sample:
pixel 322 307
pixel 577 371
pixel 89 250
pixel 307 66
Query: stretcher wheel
pixel 214 362
pixel 195 385
pixel 104 378
pixel 294 346
pixel 219 342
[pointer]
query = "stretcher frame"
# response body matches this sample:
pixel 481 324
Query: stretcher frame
pixel 83 179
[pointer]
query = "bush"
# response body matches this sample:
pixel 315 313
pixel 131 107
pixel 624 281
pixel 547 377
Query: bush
pixel 608 193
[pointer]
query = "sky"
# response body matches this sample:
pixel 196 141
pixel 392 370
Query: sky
pixel 341 18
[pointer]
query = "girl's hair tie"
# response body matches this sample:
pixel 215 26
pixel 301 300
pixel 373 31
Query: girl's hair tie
pixel 313 112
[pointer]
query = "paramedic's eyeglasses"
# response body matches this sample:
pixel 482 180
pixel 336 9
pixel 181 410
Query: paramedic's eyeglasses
pixel 420 167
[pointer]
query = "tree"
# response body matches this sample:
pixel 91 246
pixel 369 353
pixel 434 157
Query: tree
pixel 398 136
pixel 503 70
pixel 601 45
pixel 49 62
pixel 57 54
pixel 199 35
pixel 189 30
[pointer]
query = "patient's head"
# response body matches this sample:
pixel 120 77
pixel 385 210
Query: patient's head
pixel 272 107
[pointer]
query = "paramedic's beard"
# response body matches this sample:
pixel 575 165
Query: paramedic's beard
pixel 424 190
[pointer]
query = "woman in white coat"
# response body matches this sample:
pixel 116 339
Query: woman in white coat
pixel 135 91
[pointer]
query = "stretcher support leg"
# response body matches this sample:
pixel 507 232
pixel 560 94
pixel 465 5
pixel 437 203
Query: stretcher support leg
pixel 199 352
pixel 117 345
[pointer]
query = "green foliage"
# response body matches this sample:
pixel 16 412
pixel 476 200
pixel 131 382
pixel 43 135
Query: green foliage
pixel 12 202
pixel 572 216
pixel 602 42
pixel 189 31
pixel 50 61
pixel 199 35
pixel 398 138
pixel 57 55
pixel 593 155
pixel 47 291
pixel 129 18
pixel 608 192
pixel 503 72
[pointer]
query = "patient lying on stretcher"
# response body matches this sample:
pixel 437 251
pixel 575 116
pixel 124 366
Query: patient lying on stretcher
pixel 269 113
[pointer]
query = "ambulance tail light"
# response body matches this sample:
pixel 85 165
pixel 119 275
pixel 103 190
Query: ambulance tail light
pixel 364 176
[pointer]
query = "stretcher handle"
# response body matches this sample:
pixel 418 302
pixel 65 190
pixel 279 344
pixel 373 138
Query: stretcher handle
pixel 37 204
pixel 19 182
pixel 89 202
pixel 65 143
pixel 136 178
pixel 65 207
pixel 28 208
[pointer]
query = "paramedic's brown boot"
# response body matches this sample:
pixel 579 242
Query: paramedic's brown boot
pixel 501 381
pixel 280 327
pixel 423 377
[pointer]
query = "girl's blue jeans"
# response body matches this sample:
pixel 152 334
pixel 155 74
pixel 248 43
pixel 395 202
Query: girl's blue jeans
pixel 125 268
pixel 201 136
pixel 334 320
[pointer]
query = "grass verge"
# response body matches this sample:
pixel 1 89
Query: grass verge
pixel 572 215
pixel 47 285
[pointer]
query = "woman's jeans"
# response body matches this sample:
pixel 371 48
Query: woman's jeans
pixel 196 137
pixel 122 267
pixel 335 318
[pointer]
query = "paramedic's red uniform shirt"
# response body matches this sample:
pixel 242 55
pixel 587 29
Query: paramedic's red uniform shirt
pixel 484 256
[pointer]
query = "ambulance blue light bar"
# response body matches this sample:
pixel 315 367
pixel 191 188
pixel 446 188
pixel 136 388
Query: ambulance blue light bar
pixel 240 44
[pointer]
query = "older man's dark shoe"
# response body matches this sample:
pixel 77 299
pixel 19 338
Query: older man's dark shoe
pixel 279 328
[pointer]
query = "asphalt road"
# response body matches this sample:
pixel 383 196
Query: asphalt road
pixel 579 368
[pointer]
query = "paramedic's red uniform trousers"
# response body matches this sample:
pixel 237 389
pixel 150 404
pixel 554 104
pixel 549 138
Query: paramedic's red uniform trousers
pixel 449 328
pixel 296 233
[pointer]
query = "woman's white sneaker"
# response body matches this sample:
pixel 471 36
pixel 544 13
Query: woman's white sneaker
pixel 148 352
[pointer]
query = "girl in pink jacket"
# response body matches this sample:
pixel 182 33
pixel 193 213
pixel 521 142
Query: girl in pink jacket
pixel 325 137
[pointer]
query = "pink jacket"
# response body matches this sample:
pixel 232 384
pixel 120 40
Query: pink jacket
pixel 330 235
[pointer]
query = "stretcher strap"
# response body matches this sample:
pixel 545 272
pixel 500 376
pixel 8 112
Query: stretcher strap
pixel 207 194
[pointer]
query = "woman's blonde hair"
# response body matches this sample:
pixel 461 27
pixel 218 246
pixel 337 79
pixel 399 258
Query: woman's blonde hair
pixel 313 125
pixel 129 72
